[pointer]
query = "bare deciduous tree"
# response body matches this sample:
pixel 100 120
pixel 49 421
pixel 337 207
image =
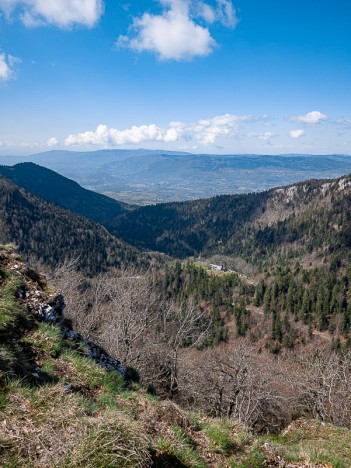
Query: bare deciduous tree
pixel 124 313
pixel 128 315
pixel 325 379
pixel 184 326
pixel 236 381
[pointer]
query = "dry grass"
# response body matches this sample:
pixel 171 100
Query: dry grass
pixel 110 440
pixel 39 426
pixel 48 427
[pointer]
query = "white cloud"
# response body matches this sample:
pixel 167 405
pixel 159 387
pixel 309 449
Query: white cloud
pixel 204 131
pixel 7 66
pixel 205 11
pixel 297 133
pixel 226 13
pixel 23 144
pixel 52 142
pixel 266 136
pixel 207 131
pixel 172 35
pixel 223 12
pixel 175 34
pixel 5 70
pixel 312 118
pixel 61 13
pixel 104 136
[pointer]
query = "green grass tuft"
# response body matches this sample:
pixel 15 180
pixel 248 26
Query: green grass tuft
pixel 222 440
pixel 11 314
pixel 85 370
pixel 47 337
pixel 178 449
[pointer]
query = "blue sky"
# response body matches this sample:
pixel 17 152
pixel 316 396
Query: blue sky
pixel 214 76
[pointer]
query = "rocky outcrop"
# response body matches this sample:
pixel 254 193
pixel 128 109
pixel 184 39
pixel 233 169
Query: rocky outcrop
pixel 53 312
pixel 49 307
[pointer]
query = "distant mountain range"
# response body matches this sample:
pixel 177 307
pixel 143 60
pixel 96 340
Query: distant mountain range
pixel 147 176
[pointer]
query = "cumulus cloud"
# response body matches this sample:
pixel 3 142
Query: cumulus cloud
pixel 61 13
pixel 297 133
pixel 204 131
pixel 176 34
pixel 105 136
pixel 311 118
pixel 52 142
pixel 172 35
pixel 7 66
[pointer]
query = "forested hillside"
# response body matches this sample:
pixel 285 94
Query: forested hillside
pixel 53 187
pixel 296 220
pixel 52 234
pixel 292 222
pixel 295 240
pixel 190 228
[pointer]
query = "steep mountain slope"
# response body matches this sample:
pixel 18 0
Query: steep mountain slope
pixel 55 188
pixel 189 228
pixel 58 407
pixel 307 216
pixel 52 234
pixel 311 217
pixel 296 241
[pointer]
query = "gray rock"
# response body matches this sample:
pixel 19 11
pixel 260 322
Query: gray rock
pixel 68 388
pixel 54 314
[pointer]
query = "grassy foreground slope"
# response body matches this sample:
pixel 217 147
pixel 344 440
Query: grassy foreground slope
pixel 59 408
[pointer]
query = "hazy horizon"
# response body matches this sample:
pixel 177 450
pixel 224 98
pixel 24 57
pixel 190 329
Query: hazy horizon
pixel 165 150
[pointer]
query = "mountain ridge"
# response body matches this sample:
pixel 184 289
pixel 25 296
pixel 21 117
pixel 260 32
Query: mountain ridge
pixel 147 177
pixel 53 187
pixel 240 224
pixel 224 223
pixel 53 234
